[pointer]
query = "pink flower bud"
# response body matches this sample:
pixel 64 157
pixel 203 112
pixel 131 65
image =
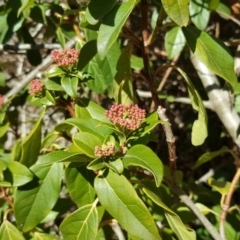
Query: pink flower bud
pixel 105 150
pixel 126 117
pixel 36 87
pixel 65 58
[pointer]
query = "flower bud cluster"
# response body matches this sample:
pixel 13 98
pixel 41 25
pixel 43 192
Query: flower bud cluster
pixel 36 87
pixel 65 58
pixel 128 117
pixel 105 150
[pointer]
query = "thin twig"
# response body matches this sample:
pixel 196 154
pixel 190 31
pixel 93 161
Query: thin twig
pixel 26 46
pixel 227 202
pixel 188 202
pixel 170 141
pixel 145 52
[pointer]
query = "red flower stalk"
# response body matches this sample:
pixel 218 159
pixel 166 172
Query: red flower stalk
pixel 105 150
pixel 65 58
pixel 36 87
pixel 1 101
pixel 128 117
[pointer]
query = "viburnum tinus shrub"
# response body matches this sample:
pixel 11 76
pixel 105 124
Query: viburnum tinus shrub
pixel 95 175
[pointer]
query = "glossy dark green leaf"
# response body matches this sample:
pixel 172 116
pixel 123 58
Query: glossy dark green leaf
pixel 174 42
pixel 199 13
pixel 62 156
pixel 32 144
pixel 209 156
pixel 16 175
pixel 9 232
pixel 112 24
pixel 34 201
pixel 119 198
pixel 80 185
pixel 88 51
pixel 210 52
pixel 173 219
pixel 177 10
pixel 70 85
pixel 81 224
pixel 97 9
pixel 34 56
pixel 143 156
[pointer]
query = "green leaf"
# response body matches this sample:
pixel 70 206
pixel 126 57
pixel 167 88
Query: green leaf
pixel 173 219
pixel 16 175
pixel 143 156
pixel 80 185
pixel 205 210
pixel 96 165
pixel 81 224
pixel 122 88
pixel 85 108
pixel 62 156
pixel 54 72
pixel 223 10
pixel 209 156
pixel 211 52
pixel 103 71
pixel 119 198
pixel 4 128
pixel 70 85
pixel 199 129
pixel 111 26
pixel 35 200
pixel 88 51
pixel 86 142
pixel 97 9
pixel 32 144
pixel 136 62
pixel 27 4
pixel 50 139
pixel 177 10
pixel 174 42
pixel 199 12
pixel 60 37
pixel 9 232
pixel 44 236
pixel 115 165
pixel 34 56
pixel 86 125
pixel 221 187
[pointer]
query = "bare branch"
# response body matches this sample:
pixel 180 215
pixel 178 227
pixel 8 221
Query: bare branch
pixel 219 99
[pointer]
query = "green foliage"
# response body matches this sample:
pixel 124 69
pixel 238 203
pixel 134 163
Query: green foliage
pixel 89 176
